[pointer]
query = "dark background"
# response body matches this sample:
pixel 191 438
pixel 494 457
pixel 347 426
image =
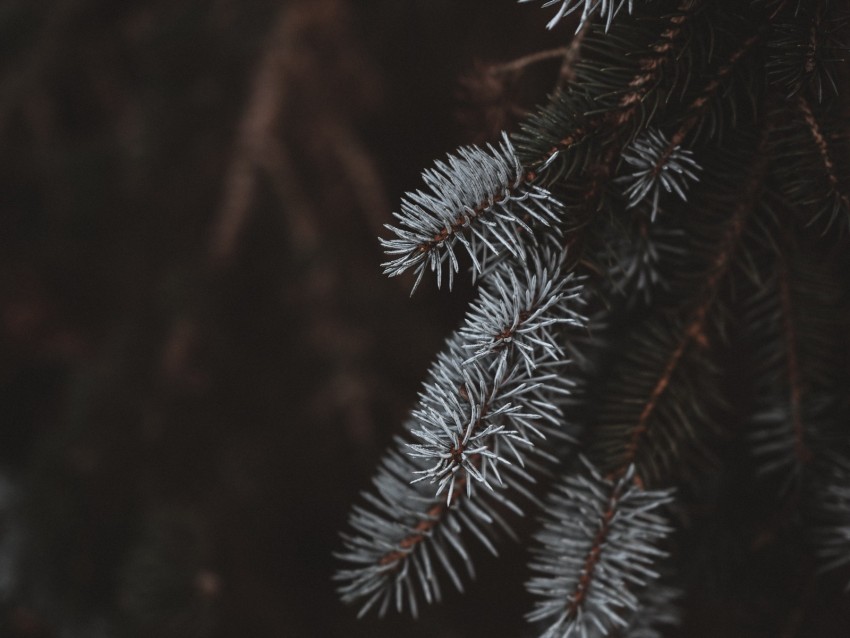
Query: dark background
pixel 200 361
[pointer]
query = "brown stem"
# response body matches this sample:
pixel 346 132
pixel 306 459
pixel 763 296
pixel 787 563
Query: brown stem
pixel 650 69
pixel 583 586
pixel 438 510
pixel 823 149
pixel 461 221
pixel 520 64
pixel 433 516
pixel 694 331
pixel 420 533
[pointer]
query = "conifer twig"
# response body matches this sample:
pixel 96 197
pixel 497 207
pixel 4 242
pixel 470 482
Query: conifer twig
pixel 694 331
pixel 823 150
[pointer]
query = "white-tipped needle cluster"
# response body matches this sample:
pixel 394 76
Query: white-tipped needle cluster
pixel 598 545
pixel 493 395
pixel 518 311
pixel 478 201
pixel 657 166
pixel 607 10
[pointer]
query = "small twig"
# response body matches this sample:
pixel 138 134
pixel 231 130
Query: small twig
pixel 520 64
pixel 256 128
pixel 822 145
pixel 694 330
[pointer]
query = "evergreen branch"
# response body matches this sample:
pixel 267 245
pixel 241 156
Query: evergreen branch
pixel 566 111
pixel 516 313
pixel 804 49
pixel 812 152
pixel 478 199
pixel 694 331
pixel 480 421
pixel 658 405
pixel 597 546
pixel 821 144
pixel 655 90
pixel 835 184
pixel 781 434
pixel 472 420
pixel 798 352
pixel 406 536
pixel 583 123
pixel 657 165
pixel 695 112
pixel 477 410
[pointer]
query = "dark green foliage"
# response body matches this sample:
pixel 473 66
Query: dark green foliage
pixel 701 169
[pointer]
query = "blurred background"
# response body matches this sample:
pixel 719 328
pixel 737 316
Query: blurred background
pixel 200 361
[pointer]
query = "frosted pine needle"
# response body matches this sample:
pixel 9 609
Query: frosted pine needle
pixel 657 166
pixel 519 310
pixel 607 10
pixel 479 200
pixel 598 549
pixel 473 420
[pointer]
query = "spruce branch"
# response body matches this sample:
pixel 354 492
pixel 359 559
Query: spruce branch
pixel 472 421
pixel 597 548
pixel 793 323
pixel 780 434
pixel 699 115
pixel 495 390
pixel 650 414
pixel 657 166
pixel 608 103
pixel 799 450
pixel 490 400
pixel 805 48
pixel 826 190
pixel 646 424
pixel 609 332
pixel 405 539
pixel 478 199
pixel 519 310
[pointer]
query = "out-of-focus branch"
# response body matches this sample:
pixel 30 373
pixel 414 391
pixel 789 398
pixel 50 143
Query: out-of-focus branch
pixel 257 127
pixel 572 56
pixel 26 74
